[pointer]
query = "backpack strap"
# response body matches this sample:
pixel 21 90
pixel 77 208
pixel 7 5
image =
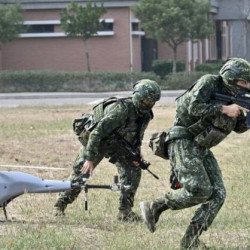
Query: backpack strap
pixel 99 108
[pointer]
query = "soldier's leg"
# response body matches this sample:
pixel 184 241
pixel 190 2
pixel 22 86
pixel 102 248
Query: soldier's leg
pixel 129 175
pixel 67 197
pixel 207 212
pixel 187 162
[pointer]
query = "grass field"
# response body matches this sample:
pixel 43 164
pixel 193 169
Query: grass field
pixel 44 137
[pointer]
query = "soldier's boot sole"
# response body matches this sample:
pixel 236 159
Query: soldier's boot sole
pixel 147 215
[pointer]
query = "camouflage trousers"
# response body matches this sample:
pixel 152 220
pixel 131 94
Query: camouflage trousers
pixel 200 176
pixel 129 175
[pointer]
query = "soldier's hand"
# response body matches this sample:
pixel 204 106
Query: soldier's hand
pixel 88 167
pixel 233 110
pixel 136 163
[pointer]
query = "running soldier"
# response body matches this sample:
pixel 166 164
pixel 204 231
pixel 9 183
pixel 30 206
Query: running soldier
pixel 200 124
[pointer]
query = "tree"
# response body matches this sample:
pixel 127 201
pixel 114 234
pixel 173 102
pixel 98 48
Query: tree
pixel 11 22
pixel 174 22
pixel 83 22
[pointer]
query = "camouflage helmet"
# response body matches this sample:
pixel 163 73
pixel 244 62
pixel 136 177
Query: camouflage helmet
pixel 145 93
pixel 236 69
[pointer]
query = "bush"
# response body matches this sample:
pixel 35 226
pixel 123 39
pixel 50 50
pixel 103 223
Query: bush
pixel 208 67
pixel 48 81
pixel 163 68
pixel 181 80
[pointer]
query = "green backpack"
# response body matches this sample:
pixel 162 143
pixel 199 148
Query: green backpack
pixel 82 126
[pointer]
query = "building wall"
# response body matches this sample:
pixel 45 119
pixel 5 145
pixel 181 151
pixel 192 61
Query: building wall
pixel 136 53
pixel 1 67
pixel 62 53
pixel 165 52
pixel 113 53
pixel 239 36
pixel 238 14
pixel 233 10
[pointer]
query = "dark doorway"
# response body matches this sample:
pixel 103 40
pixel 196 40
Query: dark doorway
pixel 149 53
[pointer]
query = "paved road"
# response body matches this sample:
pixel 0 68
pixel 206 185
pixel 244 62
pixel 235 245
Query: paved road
pixel 58 99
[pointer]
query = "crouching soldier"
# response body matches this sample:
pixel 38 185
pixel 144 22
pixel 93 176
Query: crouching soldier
pixel 125 118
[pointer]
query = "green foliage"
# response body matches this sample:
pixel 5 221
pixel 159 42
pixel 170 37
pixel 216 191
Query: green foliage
pixel 79 21
pixel 48 81
pixel 181 80
pixel 11 22
pixel 174 22
pixel 163 67
pixel 209 67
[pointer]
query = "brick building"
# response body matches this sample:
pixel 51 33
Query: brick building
pixel 121 46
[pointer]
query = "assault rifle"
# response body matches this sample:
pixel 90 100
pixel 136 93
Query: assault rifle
pixel 127 150
pixel 242 100
pixel 14 184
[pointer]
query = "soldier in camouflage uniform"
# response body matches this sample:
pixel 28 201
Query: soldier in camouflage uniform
pixel 128 117
pixel 199 125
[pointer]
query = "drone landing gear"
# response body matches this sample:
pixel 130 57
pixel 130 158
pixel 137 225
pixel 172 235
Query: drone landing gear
pixel 5 212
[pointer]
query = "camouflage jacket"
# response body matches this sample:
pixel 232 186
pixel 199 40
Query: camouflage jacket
pixel 120 117
pixel 196 104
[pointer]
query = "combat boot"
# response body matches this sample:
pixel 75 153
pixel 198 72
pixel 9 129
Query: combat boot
pixel 190 239
pixel 59 208
pixel 125 210
pixel 128 215
pixel 151 212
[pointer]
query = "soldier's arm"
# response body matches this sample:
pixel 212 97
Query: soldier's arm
pixel 200 98
pixel 115 116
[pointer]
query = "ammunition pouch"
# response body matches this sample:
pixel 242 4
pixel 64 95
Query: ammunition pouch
pixel 82 127
pixel 210 137
pixel 157 143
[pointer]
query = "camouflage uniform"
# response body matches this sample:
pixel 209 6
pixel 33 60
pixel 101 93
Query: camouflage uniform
pixel 127 119
pixel 195 166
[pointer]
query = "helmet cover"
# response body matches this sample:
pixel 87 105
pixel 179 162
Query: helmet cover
pixel 234 70
pixel 145 93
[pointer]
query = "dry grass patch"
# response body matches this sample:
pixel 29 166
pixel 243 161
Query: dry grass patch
pixel 43 136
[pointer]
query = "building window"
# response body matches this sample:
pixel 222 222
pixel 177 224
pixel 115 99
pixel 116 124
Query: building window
pixel 106 26
pixel 41 28
pixel 49 28
pixel 225 40
pixel 135 26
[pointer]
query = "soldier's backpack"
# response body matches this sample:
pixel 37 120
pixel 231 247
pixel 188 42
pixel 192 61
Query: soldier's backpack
pixel 83 125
